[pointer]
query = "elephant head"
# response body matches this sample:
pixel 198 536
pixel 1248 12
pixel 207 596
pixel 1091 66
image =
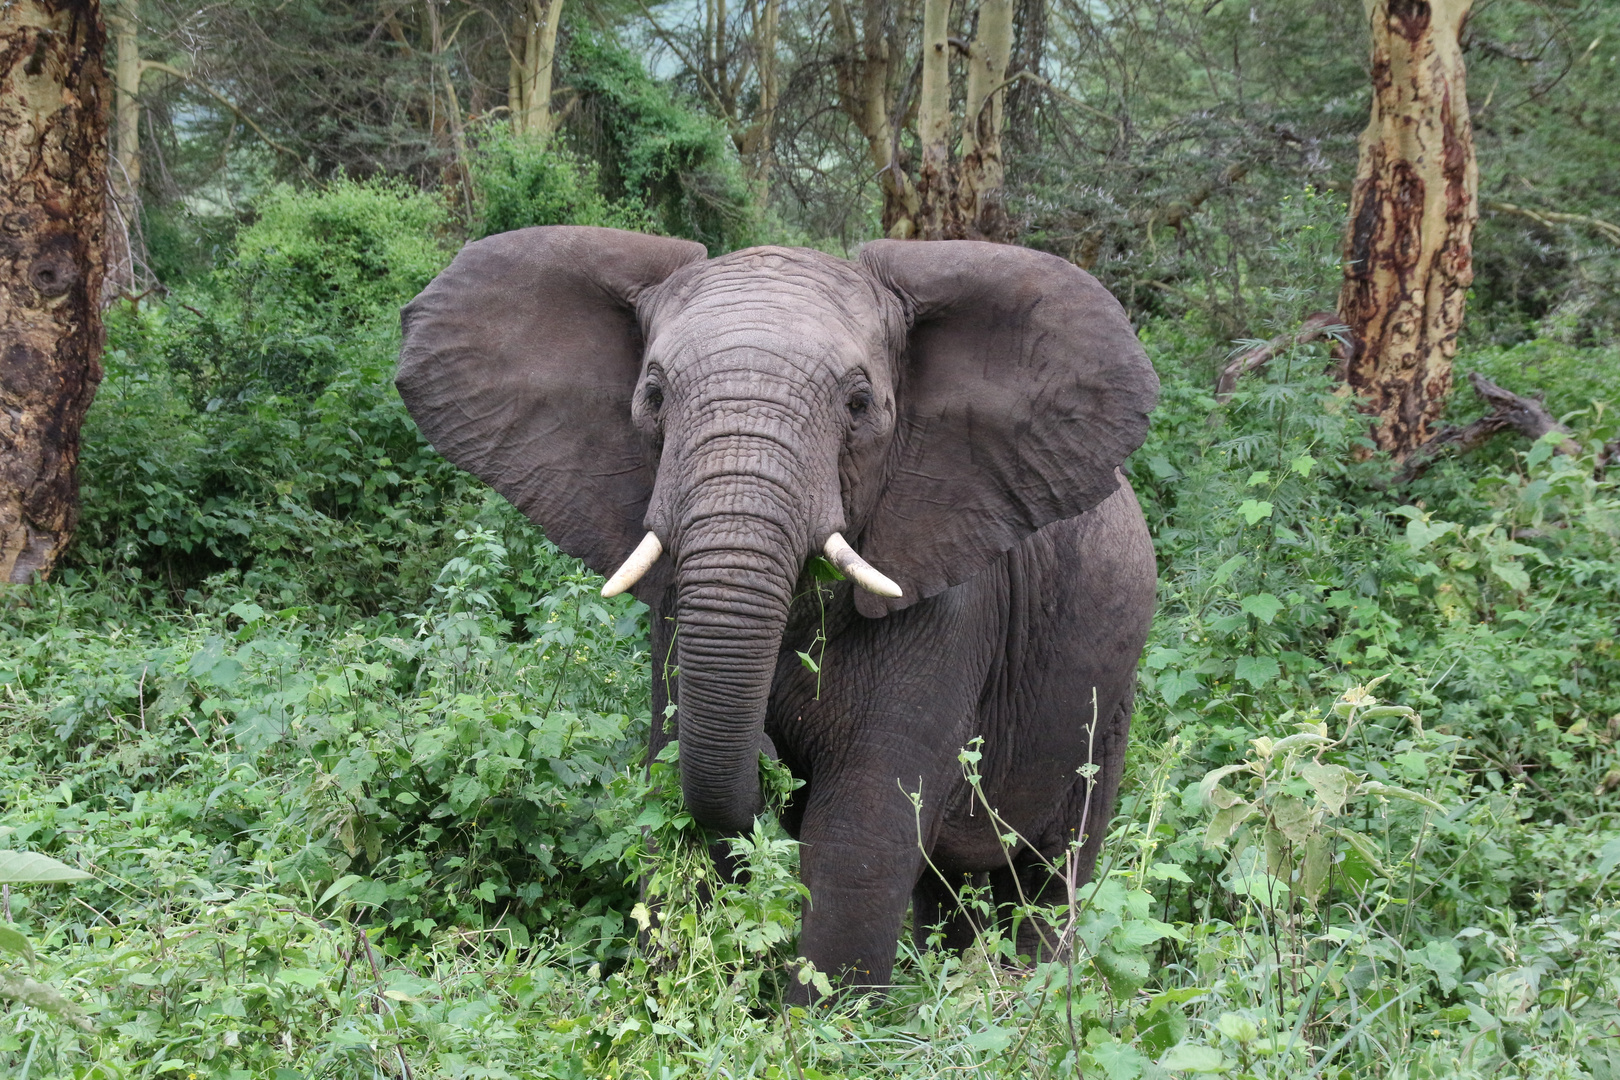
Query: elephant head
pixel 711 424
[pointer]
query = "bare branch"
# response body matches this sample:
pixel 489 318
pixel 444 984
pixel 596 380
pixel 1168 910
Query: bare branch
pixel 1549 218
pixel 154 65
pixel 1510 412
pixel 1317 325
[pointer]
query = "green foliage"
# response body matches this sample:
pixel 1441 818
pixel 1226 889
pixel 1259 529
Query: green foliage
pixel 248 424
pixel 349 253
pixel 353 753
pixel 523 182
pixel 676 162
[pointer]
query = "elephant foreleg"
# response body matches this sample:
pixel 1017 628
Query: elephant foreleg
pixel 859 891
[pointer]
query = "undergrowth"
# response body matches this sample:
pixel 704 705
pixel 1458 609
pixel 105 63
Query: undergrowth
pixel 354 758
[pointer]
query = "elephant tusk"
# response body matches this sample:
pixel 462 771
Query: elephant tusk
pixel 639 562
pixel 858 569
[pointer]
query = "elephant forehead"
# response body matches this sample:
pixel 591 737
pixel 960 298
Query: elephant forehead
pixel 791 301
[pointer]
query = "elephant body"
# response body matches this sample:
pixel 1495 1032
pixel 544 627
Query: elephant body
pixel 958 410
pixel 1014 657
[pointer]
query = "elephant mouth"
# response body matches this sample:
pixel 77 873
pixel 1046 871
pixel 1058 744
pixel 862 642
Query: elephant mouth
pixel 836 548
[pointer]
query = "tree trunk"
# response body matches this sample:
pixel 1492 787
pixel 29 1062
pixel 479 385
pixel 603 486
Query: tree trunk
pixel 760 144
pixel 531 72
pixel 980 175
pixel 1408 247
pixel 867 89
pixel 936 202
pixel 53 182
pixel 126 172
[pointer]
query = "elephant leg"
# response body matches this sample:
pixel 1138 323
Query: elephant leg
pixel 860 857
pixel 935 904
pixel 859 890
pixel 1039 878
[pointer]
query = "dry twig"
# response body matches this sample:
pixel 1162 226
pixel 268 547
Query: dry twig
pixel 1316 326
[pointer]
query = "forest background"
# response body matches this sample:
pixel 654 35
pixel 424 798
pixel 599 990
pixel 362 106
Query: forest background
pixel 345 754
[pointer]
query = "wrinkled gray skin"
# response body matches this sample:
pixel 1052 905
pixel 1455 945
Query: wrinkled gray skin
pixel 957 410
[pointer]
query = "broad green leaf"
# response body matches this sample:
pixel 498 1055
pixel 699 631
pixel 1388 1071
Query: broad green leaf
pixel 1268 889
pixel 1139 933
pixel 1206 786
pixel 993 1039
pixel 1331 783
pixel 1395 791
pixel 1313 868
pixel 1175 685
pixel 338 887
pixel 1262 606
pixel 1420 534
pixel 1126 970
pixel 1195 1059
pixel 32 868
pixel 1513 574
pixel 1224 572
pixel 1366 849
pixel 308 977
pixel 1258 478
pixel 1288 744
pixel 1303 464
pixel 822 569
pixel 1225 823
pixel 1254 510
pixel 1442 958
pixel 12 940
pixel 1292 818
pixel 1257 671
pixel 1117 1060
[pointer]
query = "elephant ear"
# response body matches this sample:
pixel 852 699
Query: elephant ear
pixel 1022 392
pixel 519 363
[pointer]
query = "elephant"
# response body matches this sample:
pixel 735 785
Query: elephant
pixel 945 421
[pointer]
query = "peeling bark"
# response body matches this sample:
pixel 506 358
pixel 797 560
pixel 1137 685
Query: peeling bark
pixel 53 177
pixel 959 195
pixel 1408 248
pixel 935 218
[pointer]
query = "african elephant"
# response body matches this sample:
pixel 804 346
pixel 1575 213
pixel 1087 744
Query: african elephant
pixel 957 412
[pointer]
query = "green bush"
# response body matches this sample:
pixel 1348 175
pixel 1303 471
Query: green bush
pixel 523 182
pixel 673 159
pixel 353 753
pixel 345 255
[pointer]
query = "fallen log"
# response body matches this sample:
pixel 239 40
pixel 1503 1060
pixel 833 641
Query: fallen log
pixel 1315 327
pixel 1509 412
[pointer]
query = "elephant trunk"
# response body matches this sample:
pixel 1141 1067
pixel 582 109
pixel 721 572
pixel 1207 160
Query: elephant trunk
pixel 734 581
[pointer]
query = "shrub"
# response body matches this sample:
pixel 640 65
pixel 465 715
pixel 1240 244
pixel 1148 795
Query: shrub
pixel 523 182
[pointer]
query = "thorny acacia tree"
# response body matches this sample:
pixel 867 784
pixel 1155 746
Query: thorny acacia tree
pixel 1409 245
pixel 53 187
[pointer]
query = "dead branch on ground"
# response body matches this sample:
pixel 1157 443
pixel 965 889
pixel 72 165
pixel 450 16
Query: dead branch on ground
pixel 1509 412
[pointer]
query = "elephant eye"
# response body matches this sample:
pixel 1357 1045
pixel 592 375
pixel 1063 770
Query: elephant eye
pixel 859 402
pixel 653 395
